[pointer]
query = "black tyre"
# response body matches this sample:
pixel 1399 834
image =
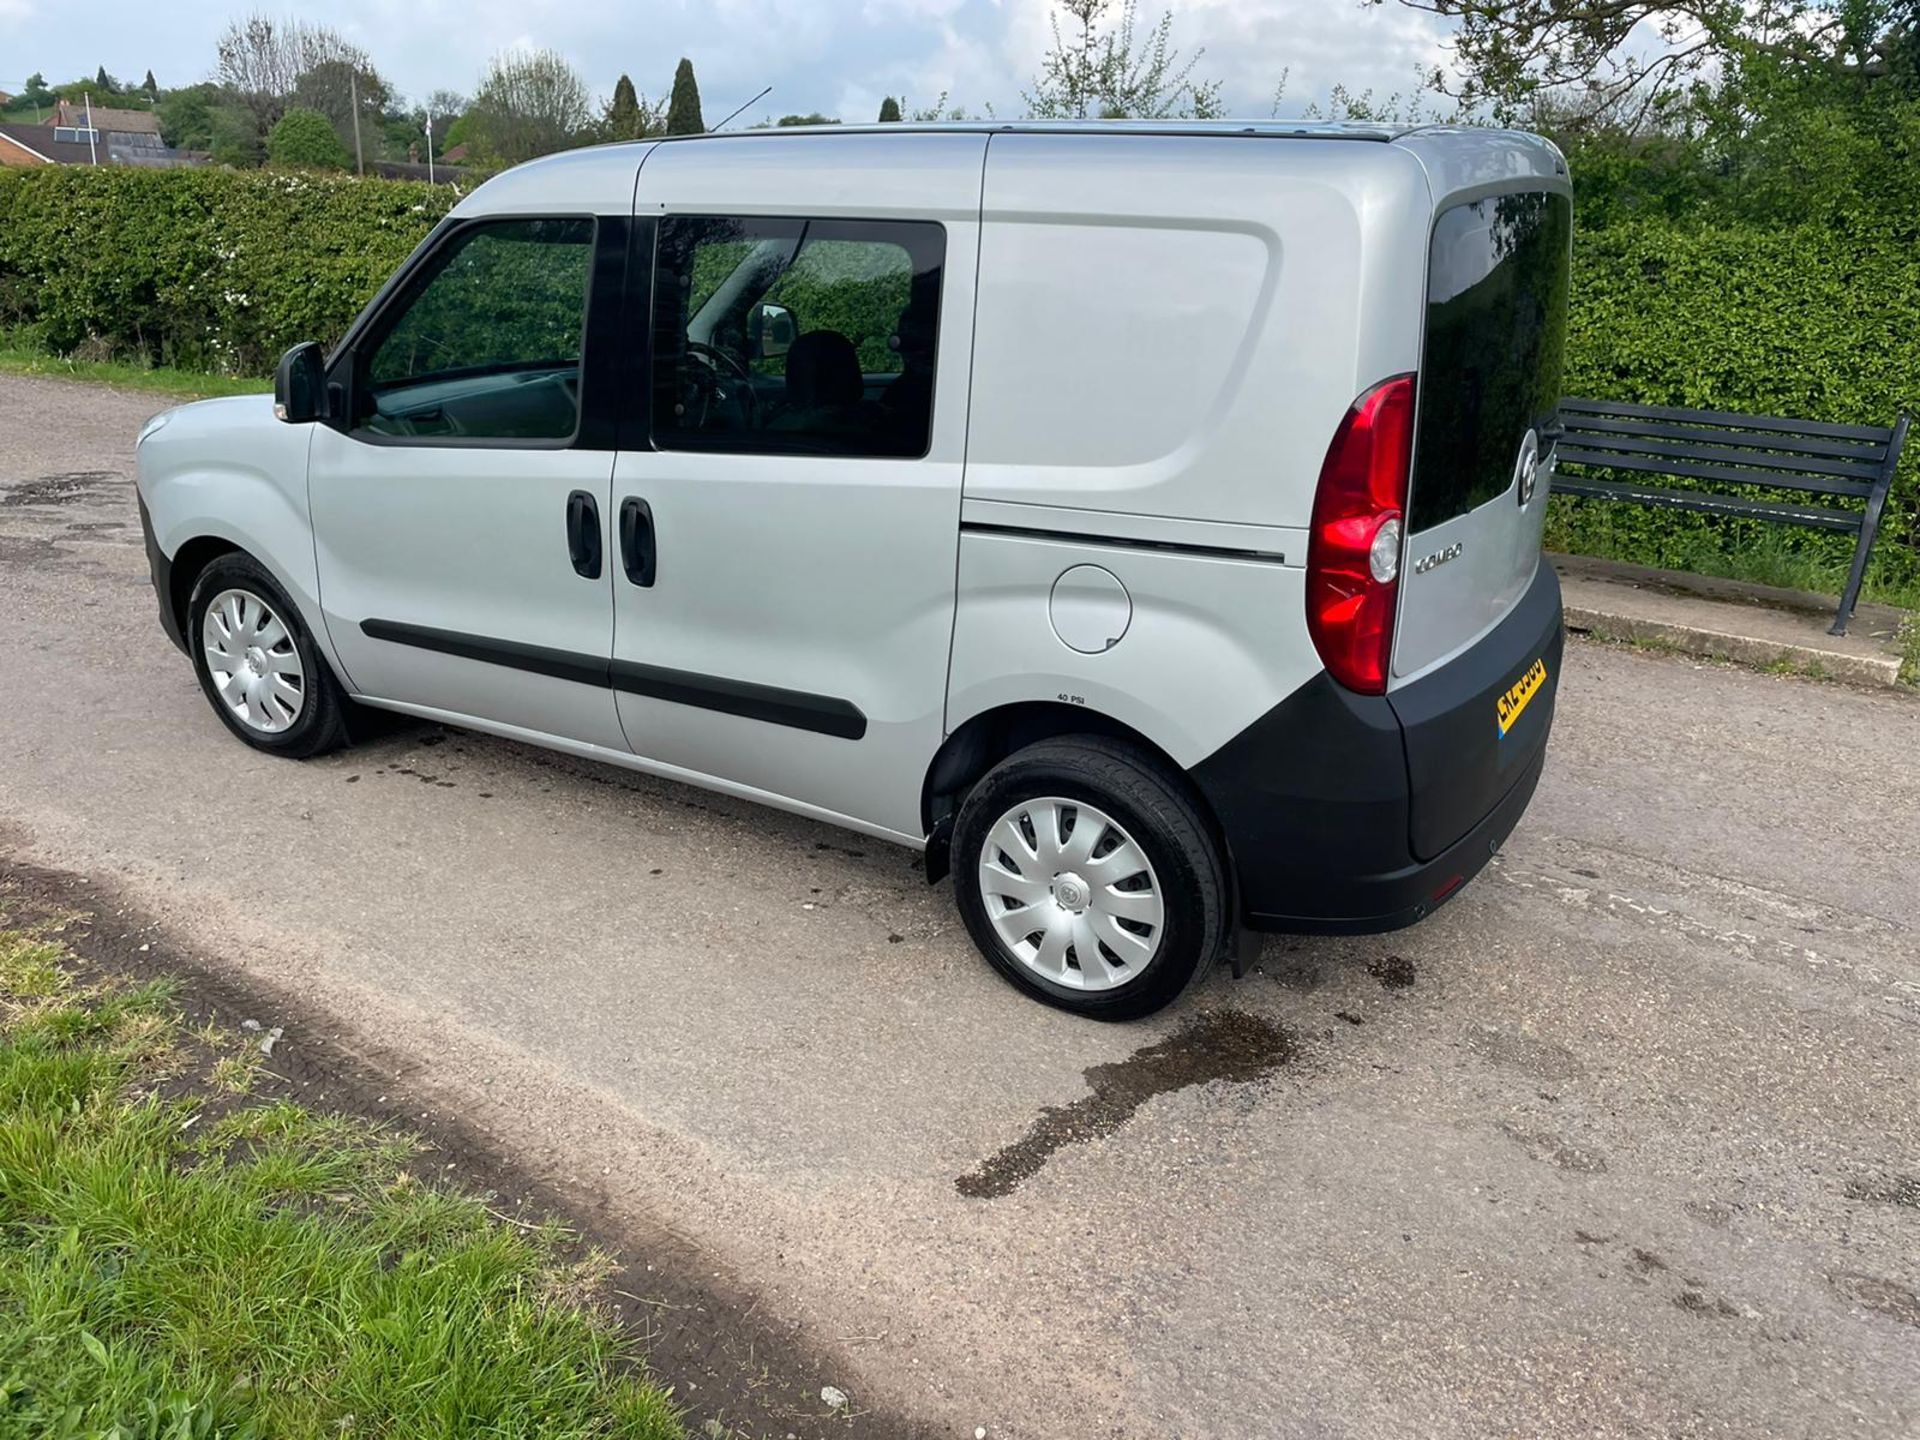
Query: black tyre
pixel 257 664
pixel 1089 879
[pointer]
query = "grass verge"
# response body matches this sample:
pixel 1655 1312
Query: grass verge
pixel 177 1259
pixel 20 357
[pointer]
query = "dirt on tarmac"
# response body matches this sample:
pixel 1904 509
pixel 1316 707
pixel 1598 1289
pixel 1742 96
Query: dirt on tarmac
pixel 1624 1141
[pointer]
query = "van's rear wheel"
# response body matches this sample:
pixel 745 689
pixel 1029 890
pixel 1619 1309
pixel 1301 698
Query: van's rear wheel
pixel 1088 878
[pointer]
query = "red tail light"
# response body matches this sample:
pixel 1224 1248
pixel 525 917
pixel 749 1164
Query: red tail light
pixel 1353 554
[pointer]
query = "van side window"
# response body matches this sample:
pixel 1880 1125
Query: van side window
pixel 796 337
pixel 486 343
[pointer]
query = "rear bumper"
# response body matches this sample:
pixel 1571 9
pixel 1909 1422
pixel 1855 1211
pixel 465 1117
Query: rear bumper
pixel 1351 813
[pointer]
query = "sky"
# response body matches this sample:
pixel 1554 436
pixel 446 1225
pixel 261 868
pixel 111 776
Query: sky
pixel 838 57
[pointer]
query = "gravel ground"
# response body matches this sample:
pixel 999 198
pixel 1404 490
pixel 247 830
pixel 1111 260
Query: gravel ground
pixel 1625 1141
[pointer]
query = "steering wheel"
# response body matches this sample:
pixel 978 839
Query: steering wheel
pixel 728 380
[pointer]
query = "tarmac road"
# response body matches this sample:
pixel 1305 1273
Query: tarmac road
pixel 1625 1141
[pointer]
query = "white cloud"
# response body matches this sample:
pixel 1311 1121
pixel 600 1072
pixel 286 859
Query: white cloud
pixel 837 56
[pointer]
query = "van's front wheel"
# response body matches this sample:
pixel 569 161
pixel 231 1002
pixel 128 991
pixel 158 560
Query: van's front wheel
pixel 1088 878
pixel 258 666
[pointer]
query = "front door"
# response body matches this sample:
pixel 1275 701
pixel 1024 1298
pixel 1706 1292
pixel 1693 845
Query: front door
pixel 460 511
pixel 789 530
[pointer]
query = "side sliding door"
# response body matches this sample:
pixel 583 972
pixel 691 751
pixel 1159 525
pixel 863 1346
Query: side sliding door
pixel 788 517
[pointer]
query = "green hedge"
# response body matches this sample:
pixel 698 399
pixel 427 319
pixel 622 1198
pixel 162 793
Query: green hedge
pixel 222 270
pixel 1811 322
pixel 204 269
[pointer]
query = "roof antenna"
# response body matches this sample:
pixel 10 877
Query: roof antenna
pixel 736 114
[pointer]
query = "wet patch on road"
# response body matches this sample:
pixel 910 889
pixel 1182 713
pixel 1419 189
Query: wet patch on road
pixel 62 489
pixel 1228 1045
pixel 1644 1262
pixel 1394 972
pixel 1556 1150
pixel 1888 1298
pixel 27 550
pixel 1887 1190
pixel 1544 1059
pixel 1695 1303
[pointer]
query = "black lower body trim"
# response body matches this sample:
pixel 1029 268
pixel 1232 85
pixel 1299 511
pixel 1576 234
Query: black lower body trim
pixel 1360 813
pixel 794 709
pixel 1407 896
pixel 161 569
pixel 535 659
pixel 1121 542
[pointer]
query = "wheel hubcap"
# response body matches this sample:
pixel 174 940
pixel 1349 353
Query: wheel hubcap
pixel 1070 894
pixel 253 663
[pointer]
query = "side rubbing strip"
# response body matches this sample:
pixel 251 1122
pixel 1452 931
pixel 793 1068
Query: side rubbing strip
pixel 1175 547
pixel 560 664
pixel 794 709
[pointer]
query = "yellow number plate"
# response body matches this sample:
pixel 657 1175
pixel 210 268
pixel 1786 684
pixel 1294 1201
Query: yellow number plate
pixel 1521 695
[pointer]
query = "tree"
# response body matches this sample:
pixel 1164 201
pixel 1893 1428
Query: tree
pixel 187 117
pixel 530 103
pixel 1578 51
pixel 889 111
pixel 261 60
pixel 331 87
pixel 628 116
pixel 1097 67
pixel 816 118
pixel 683 105
pixel 305 140
pixel 149 87
pixel 104 82
pixel 446 106
pixel 36 92
pixel 939 111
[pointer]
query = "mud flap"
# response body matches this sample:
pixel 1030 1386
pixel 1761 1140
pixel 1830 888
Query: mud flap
pixel 1243 950
pixel 939 851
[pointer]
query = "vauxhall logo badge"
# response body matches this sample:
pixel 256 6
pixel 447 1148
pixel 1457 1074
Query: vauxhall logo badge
pixel 1526 471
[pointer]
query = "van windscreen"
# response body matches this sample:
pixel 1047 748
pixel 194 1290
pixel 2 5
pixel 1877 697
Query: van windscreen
pixel 1496 339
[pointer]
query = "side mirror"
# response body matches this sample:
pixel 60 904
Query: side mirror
pixel 771 330
pixel 299 384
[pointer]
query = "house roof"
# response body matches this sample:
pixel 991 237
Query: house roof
pixel 126 122
pixel 38 140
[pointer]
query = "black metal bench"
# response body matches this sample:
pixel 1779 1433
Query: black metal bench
pixel 1718 449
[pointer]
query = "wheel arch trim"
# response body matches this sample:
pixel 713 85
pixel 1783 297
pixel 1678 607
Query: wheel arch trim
pixel 985 738
pixel 195 545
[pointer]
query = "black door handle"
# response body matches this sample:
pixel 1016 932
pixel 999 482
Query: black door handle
pixel 583 534
pixel 638 553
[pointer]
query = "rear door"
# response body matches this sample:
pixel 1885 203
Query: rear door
pixel 1477 643
pixel 789 517
pixel 1488 387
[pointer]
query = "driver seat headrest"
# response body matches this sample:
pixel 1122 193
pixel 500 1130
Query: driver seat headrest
pixel 823 369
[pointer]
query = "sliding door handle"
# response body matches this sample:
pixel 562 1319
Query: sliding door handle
pixel 583 534
pixel 639 555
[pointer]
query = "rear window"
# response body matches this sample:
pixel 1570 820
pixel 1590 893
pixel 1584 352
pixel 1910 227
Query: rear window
pixel 1496 338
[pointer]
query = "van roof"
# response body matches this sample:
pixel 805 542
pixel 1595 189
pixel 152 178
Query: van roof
pixel 1375 131
pixel 1455 157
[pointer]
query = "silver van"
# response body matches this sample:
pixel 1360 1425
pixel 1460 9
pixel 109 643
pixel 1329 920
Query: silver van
pixel 1142 520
